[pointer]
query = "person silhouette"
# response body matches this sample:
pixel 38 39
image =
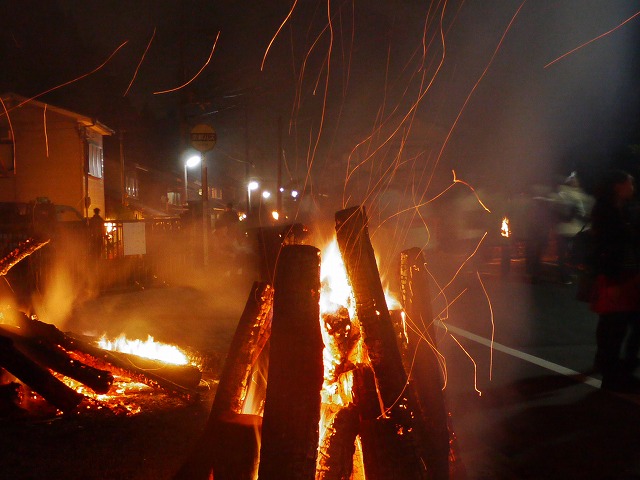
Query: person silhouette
pixel 616 294
pixel 96 234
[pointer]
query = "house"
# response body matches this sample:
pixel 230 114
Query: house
pixel 47 152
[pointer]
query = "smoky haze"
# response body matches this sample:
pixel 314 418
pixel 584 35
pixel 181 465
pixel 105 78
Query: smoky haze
pixel 377 106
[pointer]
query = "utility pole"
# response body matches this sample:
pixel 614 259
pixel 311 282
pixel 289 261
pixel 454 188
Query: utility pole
pixel 123 191
pixel 203 139
pixel 247 163
pixel 279 159
pixel 206 217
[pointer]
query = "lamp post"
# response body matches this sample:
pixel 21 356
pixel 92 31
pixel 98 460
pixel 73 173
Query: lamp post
pixel 190 163
pixel 204 138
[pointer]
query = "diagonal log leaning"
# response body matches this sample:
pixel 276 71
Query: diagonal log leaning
pixel 398 396
pixel 228 444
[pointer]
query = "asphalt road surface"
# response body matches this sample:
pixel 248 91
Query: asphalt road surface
pixel 525 402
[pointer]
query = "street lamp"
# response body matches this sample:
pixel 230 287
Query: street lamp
pixel 251 186
pixel 189 163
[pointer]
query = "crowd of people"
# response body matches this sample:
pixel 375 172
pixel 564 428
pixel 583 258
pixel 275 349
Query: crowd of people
pixel 557 215
pixel 609 264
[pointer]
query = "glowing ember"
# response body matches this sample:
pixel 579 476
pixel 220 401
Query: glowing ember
pixel 147 349
pixel 504 229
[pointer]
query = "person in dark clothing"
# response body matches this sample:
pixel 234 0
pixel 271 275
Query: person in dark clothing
pixel 616 264
pixel 96 234
pixel 229 219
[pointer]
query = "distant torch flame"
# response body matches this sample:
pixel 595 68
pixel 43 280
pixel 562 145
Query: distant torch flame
pixel 504 229
pixel 147 349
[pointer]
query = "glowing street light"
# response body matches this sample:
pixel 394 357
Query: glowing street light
pixel 266 194
pixel 251 186
pixel 189 163
pixel 294 193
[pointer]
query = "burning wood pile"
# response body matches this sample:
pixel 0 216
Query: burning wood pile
pixel 73 374
pixel 69 373
pixel 352 390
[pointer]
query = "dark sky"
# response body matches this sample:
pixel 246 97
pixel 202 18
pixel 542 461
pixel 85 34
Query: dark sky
pixel 366 69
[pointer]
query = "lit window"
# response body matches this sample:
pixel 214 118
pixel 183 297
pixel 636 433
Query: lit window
pixel 131 186
pixel 95 160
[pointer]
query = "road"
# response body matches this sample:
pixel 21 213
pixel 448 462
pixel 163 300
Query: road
pixel 523 397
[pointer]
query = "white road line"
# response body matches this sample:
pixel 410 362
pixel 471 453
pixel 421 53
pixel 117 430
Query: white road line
pixel 541 362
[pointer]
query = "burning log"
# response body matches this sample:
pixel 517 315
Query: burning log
pixel 292 408
pixel 37 378
pixel 397 396
pixel 23 250
pixel 248 342
pixel 387 452
pixel 54 357
pixel 156 373
pixel 425 372
pixel 340 416
pixel 371 307
pixel 10 399
pixel 335 453
pixel 228 434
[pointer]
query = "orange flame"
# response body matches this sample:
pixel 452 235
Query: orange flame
pixel 505 231
pixel 147 349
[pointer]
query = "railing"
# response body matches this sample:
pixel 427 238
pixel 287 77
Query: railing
pixel 163 251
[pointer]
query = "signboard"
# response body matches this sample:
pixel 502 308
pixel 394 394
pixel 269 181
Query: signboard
pixel 133 238
pixel 203 137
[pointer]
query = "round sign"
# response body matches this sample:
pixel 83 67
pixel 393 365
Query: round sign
pixel 203 137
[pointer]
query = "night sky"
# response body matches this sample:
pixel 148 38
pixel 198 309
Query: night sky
pixel 377 105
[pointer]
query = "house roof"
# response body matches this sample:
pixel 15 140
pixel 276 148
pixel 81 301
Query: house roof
pixel 13 100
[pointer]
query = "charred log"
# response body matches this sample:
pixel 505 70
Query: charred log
pixel 292 406
pixel 365 393
pixel 10 399
pixel 338 445
pixel 387 447
pixel 425 372
pixel 37 378
pixel 153 373
pixel 388 451
pixel 268 241
pixel 23 250
pixel 231 449
pixel 371 306
pixel 225 431
pixel 52 356
pixel 236 445
pixel 248 342
pixel 399 426
pixel 182 379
